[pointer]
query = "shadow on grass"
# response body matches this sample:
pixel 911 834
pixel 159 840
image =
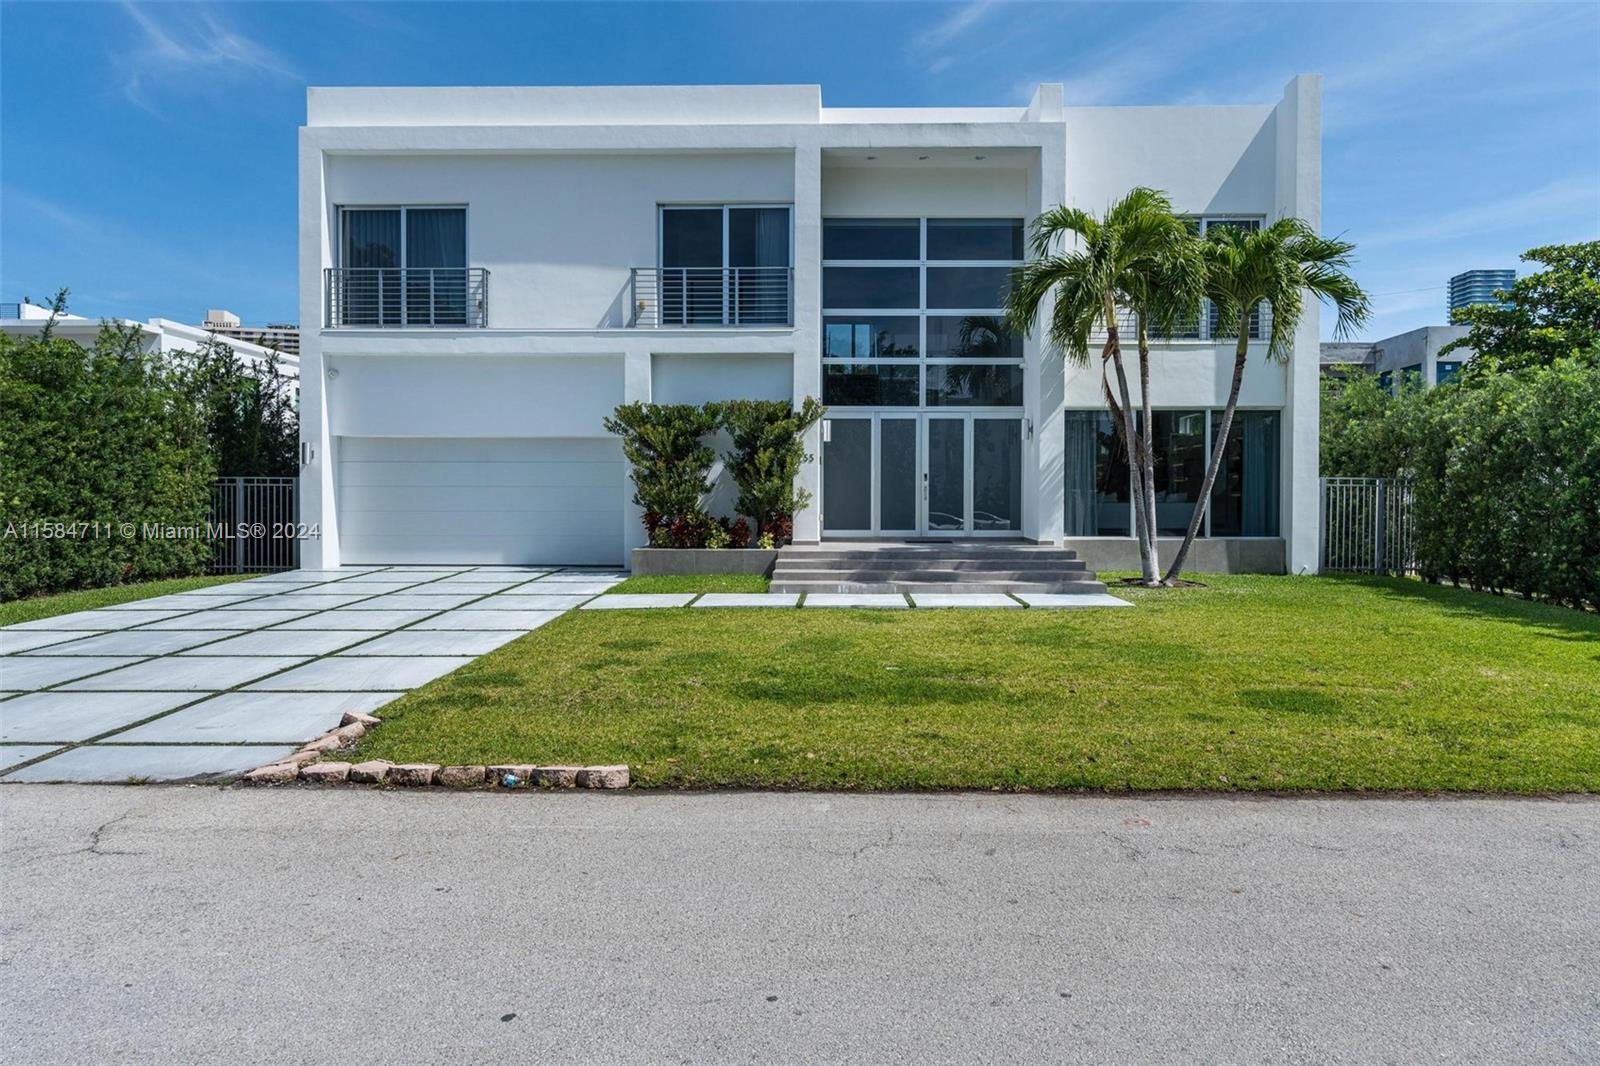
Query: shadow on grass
pixel 1559 623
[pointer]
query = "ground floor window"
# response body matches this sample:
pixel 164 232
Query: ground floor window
pixel 1244 499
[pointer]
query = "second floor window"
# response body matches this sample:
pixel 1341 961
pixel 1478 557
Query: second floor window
pixel 403 265
pixel 725 265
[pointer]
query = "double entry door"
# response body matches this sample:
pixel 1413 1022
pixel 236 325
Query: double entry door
pixel 917 475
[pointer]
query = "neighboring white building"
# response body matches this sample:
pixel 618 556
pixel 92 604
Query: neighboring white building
pixel 156 335
pixel 1409 356
pixel 487 272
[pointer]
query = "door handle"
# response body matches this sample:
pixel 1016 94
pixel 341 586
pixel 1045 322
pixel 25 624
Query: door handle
pixel 924 486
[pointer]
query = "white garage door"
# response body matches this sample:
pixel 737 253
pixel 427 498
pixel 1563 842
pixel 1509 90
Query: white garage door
pixel 432 500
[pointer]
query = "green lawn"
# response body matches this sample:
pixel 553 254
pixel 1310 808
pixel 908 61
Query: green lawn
pixel 88 599
pixel 1250 683
pixel 693 583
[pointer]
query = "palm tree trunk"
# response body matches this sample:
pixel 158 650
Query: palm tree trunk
pixel 1147 455
pixel 1217 450
pixel 1150 573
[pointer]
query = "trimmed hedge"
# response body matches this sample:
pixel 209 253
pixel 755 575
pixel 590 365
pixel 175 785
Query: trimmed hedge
pixel 1505 470
pixel 106 434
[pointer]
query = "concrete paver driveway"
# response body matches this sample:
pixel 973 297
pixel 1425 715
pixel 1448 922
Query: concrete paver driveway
pixel 222 679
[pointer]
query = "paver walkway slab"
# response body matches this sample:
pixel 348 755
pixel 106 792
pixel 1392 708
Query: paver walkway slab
pixel 748 599
pixel 64 717
pixel 465 619
pixel 198 673
pixel 344 673
pixel 133 642
pixel 1075 599
pixel 149 762
pixel 436 642
pixel 627 601
pixel 285 642
pixel 963 599
pixel 409 601
pixel 256 717
pixel 527 601
pixel 345 618
pixel 229 618
pixel 103 619
pixel 25 673
pixel 14 642
pixel 881 600
pixel 12 754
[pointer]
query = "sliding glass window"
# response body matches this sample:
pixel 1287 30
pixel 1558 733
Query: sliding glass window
pixel 1245 499
pixel 403 265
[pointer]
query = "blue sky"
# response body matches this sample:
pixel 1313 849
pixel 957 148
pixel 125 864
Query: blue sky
pixel 147 152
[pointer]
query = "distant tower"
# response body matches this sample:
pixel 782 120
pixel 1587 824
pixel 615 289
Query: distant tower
pixel 1478 287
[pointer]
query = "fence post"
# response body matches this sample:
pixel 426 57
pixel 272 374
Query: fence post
pixel 1378 566
pixel 1322 524
pixel 238 516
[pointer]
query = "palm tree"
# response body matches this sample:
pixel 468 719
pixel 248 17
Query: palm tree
pixel 1138 258
pixel 1275 266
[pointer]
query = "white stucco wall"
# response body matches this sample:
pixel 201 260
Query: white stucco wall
pixel 562 188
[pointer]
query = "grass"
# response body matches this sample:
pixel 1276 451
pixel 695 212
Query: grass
pixel 693 583
pixel 1248 683
pixel 28 610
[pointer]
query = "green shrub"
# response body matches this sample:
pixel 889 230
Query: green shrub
pixel 767 454
pixel 104 435
pixel 666 446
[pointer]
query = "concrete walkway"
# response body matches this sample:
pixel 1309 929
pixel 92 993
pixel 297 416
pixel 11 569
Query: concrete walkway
pixel 200 925
pixel 225 678
pixel 890 600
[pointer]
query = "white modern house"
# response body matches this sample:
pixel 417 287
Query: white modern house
pixel 487 272
pixel 158 335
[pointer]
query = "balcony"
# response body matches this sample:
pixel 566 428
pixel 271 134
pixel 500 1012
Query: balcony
pixel 407 297
pixel 697 297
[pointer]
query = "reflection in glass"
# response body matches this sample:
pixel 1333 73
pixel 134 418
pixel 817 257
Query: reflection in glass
pixel 869 336
pixel 847 474
pixel 897 474
pixel 972 336
pixel 848 287
pixel 1244 500
pixel 947 506
pixel 965 287
pixel 974 238
pixel 996 474
pixel 871 238
pixel 974 385
pixel 870 384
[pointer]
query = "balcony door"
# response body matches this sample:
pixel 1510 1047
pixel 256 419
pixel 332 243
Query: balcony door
pixel 403 266
pixel 725 265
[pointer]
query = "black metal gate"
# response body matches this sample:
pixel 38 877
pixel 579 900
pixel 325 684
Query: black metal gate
pixel 253 522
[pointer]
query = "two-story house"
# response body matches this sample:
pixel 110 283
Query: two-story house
pixel 494 269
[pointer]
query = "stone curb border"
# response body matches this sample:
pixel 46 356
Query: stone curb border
pixel 303 766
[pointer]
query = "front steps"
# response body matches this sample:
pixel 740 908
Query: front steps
pixel 936 567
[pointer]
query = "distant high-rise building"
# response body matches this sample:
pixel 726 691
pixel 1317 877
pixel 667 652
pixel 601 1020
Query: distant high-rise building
pixel 1479 286
pixel 283 336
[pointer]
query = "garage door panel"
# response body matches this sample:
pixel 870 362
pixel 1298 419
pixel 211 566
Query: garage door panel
pixel 421 500
pixel 559 474
pixel 522 499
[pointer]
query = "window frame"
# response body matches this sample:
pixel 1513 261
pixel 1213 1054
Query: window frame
pixel 466 230
pixel 921 313
pixel 1211 418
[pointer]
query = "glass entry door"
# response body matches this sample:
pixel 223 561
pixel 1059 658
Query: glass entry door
pixel 922 475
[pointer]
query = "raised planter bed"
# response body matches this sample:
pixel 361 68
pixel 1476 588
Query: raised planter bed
pixel 704 560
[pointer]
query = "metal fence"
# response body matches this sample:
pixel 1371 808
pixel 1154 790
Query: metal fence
pixel 253 522
pixel 1367 526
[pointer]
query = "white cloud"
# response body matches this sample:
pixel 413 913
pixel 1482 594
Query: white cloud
pixel 1511 212
pixel 929 46
pixel 184 42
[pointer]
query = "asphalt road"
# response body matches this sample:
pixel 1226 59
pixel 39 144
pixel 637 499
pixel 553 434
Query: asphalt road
pixel 188 925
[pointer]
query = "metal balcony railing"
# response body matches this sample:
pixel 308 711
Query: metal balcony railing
pixel 438 297
pixel 1205 327
pixel 711 296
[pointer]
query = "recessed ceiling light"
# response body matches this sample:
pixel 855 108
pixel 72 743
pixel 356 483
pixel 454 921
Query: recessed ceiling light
pixel 872 157
pixel 980 157
pixel 922 157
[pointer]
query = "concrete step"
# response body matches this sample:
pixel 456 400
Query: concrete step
pixel 921 575
pixel 915 587
pixel 927 562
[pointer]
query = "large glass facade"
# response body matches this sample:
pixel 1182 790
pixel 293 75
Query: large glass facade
pixel 1244 499
pixel 929 290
